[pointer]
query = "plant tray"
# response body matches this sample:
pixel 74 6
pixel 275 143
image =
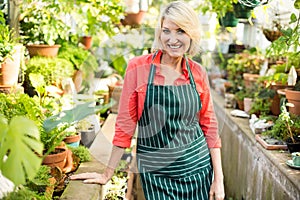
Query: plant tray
pixel 267 146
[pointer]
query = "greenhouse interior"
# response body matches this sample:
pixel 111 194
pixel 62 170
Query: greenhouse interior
pixel 75 82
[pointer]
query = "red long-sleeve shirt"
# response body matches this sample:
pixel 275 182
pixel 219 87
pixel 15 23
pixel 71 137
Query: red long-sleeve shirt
pixel 134 92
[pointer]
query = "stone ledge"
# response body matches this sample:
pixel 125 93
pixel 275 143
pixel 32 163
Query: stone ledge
pixel 250 170
pixel 100 150
pixel 77 190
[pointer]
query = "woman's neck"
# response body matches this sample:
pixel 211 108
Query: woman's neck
pixel 174 63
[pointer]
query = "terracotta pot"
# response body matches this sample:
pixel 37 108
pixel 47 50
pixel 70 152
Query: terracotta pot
pixel 9 70
pixel 240 104
pixel 248 104
pixel 250 79
pixel 133 19
pixel 56 159
pixel 275 106
pixel 87 41
pixel 293 97
pixel 73 140
pixel 115 92
pixel 77 79
pixel 43 50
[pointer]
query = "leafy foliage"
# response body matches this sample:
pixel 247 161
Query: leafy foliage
pixel 7 39
pixel 41 22
pixel 22 162
pixel 82 152
pixel 74 115
pixel 286 126
pixel 94 16
pixel 20 105
pixel 54 70
pixel 41 181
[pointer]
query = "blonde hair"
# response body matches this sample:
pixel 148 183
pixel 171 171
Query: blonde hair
pixel 186 18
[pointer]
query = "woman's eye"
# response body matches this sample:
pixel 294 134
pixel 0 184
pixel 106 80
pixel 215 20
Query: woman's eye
pixel 166 31
pixel 180 31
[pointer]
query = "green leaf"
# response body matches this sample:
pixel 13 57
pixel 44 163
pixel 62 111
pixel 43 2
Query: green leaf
pixel 293 18
pixel 21 144
pixel 297 4
pixel 74 115
pixel 119 63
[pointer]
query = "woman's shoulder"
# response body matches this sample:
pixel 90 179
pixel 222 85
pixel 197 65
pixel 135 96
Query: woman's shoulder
pixel 140 60
pixel 196 67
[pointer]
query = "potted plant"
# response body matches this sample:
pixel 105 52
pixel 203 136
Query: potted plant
pixel 293 97
pixel 223 9
pixel 41 26
pixel 289 41
pixel 87 132
pixel 287 128
pixel 94 18
pixel 10 54
pixel 52 70
pixel 244 9
pixel 72 136
pixel 84 62
pixel 262 101
pixel 134 12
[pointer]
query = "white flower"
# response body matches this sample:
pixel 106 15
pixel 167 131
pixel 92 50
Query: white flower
pixel 104 18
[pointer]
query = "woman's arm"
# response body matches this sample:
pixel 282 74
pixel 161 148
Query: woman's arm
pixel 94 177
pixel 217 187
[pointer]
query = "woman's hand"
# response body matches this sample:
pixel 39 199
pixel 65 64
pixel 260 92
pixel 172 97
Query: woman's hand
pixel 216 190
pixel 91 177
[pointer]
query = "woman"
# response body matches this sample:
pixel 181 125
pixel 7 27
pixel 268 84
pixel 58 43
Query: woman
pixel 168 96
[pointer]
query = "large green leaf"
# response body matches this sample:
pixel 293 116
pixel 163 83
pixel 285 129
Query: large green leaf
pixel 21 144
pixel 74 115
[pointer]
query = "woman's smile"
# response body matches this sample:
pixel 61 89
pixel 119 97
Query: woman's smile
pixel 175 40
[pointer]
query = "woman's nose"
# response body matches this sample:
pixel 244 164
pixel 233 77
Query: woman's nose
pixel 173 38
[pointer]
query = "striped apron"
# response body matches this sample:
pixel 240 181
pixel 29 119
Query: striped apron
pixel 172 154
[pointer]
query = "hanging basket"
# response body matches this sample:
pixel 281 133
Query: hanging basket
pixel 241 11
pixel 229 20
pixel 272 35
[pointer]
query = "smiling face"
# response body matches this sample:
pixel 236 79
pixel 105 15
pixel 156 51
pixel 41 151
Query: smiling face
pixel 174 40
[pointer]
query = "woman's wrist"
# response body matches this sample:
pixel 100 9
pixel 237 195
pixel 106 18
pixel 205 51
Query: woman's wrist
pixel 109 172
